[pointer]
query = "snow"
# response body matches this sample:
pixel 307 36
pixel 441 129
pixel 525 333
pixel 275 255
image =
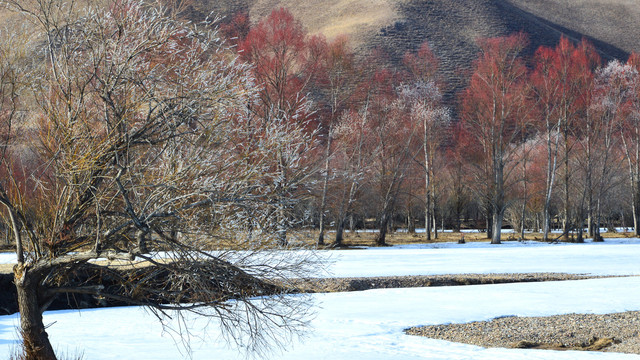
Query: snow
pixel 356 325
pixel 613 257
pixel 369 324
pixel 7 258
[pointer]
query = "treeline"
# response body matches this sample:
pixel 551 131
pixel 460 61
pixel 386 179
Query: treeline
pixel 541 142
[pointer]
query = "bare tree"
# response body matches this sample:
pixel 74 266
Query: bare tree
pixel 615 88
pixel 334 78
pixel 423 102
pixel 353 153
pixel 142 152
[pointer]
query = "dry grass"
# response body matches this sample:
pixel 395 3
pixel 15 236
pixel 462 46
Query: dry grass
pixel 403 238
pixel 358 19
pixel 6 268
pixel 613 21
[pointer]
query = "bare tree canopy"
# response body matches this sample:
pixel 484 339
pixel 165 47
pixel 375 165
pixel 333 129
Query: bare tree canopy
pixel 135 144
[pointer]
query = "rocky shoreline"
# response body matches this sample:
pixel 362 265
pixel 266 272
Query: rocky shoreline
pixel 387 282
pixel 619 332
pixel 8 303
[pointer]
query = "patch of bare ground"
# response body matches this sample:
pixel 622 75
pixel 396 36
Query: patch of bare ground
pixel 617 332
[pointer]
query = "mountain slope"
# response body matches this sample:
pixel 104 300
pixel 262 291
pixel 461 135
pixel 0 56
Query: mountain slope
pixel 452 26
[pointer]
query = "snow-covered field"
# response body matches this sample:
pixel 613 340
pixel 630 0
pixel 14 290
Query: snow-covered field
pixel 613 257
pixel 369 324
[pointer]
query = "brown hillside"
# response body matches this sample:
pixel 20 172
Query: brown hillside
pixel 452 26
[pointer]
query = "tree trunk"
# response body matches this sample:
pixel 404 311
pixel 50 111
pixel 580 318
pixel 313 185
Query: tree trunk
pixel 498 200
pixel 411 224
pixel 489 225
pixel 427 182
pixel 636 215
pixel 497 226
pixel 381 239
pixel 565 214
pixel 636 202
pixel 546 224
pixel 427 221
pixel 435 224
pixel 597 236
pixel 580 235
pixel 340 232
pixel 35 339
pixel 523 210
pixel 325 186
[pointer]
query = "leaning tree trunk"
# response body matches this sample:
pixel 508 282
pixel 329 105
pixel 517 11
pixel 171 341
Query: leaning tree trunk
pixel 35 339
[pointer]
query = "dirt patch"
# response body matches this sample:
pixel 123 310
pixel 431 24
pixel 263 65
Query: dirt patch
pixel 617 332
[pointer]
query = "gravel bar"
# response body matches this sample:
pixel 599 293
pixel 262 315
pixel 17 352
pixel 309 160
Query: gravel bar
pixel 617 332
pixel 388 282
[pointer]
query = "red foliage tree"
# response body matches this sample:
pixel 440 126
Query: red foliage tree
pixel 562 81
pixel 493 107
pixel 423 65
pixel 278 48
pixel 237 28
pixel 283 65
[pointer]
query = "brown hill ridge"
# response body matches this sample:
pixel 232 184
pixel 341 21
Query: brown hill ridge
pixel 452 26
pixel 609 21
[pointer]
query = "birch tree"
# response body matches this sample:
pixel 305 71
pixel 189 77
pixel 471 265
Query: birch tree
pixel 493 107
pixel 616 87
pixel 562 80
pixel 630 137
pixel 423 103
